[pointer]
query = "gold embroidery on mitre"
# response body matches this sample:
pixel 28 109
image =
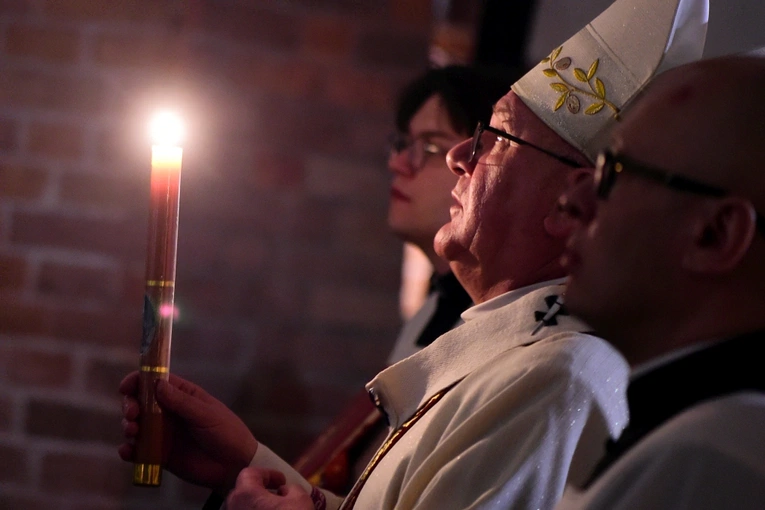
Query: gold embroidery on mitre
pixel 569 93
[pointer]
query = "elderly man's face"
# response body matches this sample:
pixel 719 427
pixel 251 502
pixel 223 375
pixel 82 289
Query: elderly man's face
pixel 503 198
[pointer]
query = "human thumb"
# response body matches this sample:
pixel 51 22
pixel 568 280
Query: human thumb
pixel 186 406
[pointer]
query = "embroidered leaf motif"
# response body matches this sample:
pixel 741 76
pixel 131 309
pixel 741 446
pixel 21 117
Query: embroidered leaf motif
pixel 559 87
pixel 580 74
pixel 555 53
pixel 561 100
pixel 593 69
pixel 545 60
pixel 571 94
pixel 562 64
pixel 573 104
pixel 600 89
pixel 594 108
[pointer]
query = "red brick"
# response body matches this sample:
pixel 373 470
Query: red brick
pixel 139 50
pixel 35 88
pixel 21 318
pixel 127 146
pixel 348 8
pixel 393 48
pixel 15 7
pixel 125 191
pixel 9 134
pixel 33 368
pixel 24 500
pixel 275 388
pixel 17 181
pixel 284 125
pixel 272 295
pixel 67 474
pixel 167 11
pixel 106 328
pixel 67 421
pixel 351 306
pixel 274 171
pixel 13 468
pixel 250 23
pixel 43 43
pixel 329 35
pixel 362 90
pixel 124 238
pixel 57 140
pixel 74 282
pixel 413 12
pixel 211 294
pixel 364 136
pixel 343 352
pixel 6 412
pixel 218 345
pixel 133 287
pixel 337 179
pixel 13 272
pixel 272 74
pixel 103 376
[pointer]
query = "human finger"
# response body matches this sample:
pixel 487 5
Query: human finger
pixel 130 408
pixel 129 384
pixel 181 403
pixel 260 477
pixel 126 452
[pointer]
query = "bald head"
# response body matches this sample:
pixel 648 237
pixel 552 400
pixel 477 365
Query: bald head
pixel 705 120
pixel 657 264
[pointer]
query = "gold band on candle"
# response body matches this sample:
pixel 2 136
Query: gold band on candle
pixel 147 474
pixel 156 370
pixel 160 283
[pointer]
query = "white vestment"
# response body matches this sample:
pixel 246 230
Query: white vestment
pixel 711 456
pixel 506 434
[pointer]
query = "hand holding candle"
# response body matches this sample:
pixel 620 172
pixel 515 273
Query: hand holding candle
pixel 159 307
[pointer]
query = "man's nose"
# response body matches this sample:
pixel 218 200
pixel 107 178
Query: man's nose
pixel 458 158
pixel 578 201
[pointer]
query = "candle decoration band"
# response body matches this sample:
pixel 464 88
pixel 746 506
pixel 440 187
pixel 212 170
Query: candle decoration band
pixel 156 370
pixel 147 475
pixel 160 283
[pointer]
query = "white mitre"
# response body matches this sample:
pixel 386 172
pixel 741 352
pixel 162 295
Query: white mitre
pixel 582 86
pixel 757 52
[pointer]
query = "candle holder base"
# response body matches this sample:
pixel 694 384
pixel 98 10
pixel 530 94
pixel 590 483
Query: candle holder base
pixel 147 475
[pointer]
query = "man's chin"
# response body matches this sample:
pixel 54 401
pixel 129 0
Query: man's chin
pixel 447 245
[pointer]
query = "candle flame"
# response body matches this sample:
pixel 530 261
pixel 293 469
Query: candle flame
pixel 167 128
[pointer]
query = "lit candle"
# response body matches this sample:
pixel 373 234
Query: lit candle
pixel 158 310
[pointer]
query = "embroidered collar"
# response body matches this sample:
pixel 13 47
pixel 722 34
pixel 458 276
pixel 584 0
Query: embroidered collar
pixel 401 388
pixel 505 299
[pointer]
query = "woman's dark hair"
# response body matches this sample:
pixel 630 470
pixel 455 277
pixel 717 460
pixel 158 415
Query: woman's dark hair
pixel 468 94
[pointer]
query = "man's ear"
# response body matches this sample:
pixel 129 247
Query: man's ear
pixel 559 223
pixel 722 236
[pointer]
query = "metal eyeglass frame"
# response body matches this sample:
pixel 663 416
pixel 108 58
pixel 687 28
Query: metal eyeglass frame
pixel 480 128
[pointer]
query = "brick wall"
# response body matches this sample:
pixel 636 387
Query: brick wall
pixel 287 280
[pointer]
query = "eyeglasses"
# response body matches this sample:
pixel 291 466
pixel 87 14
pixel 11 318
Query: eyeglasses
pixel 482 144
pixel 420 149
pixel 609 165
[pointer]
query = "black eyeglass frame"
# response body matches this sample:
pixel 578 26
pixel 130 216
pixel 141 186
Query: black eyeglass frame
pixel 609 165
pixel 481 127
